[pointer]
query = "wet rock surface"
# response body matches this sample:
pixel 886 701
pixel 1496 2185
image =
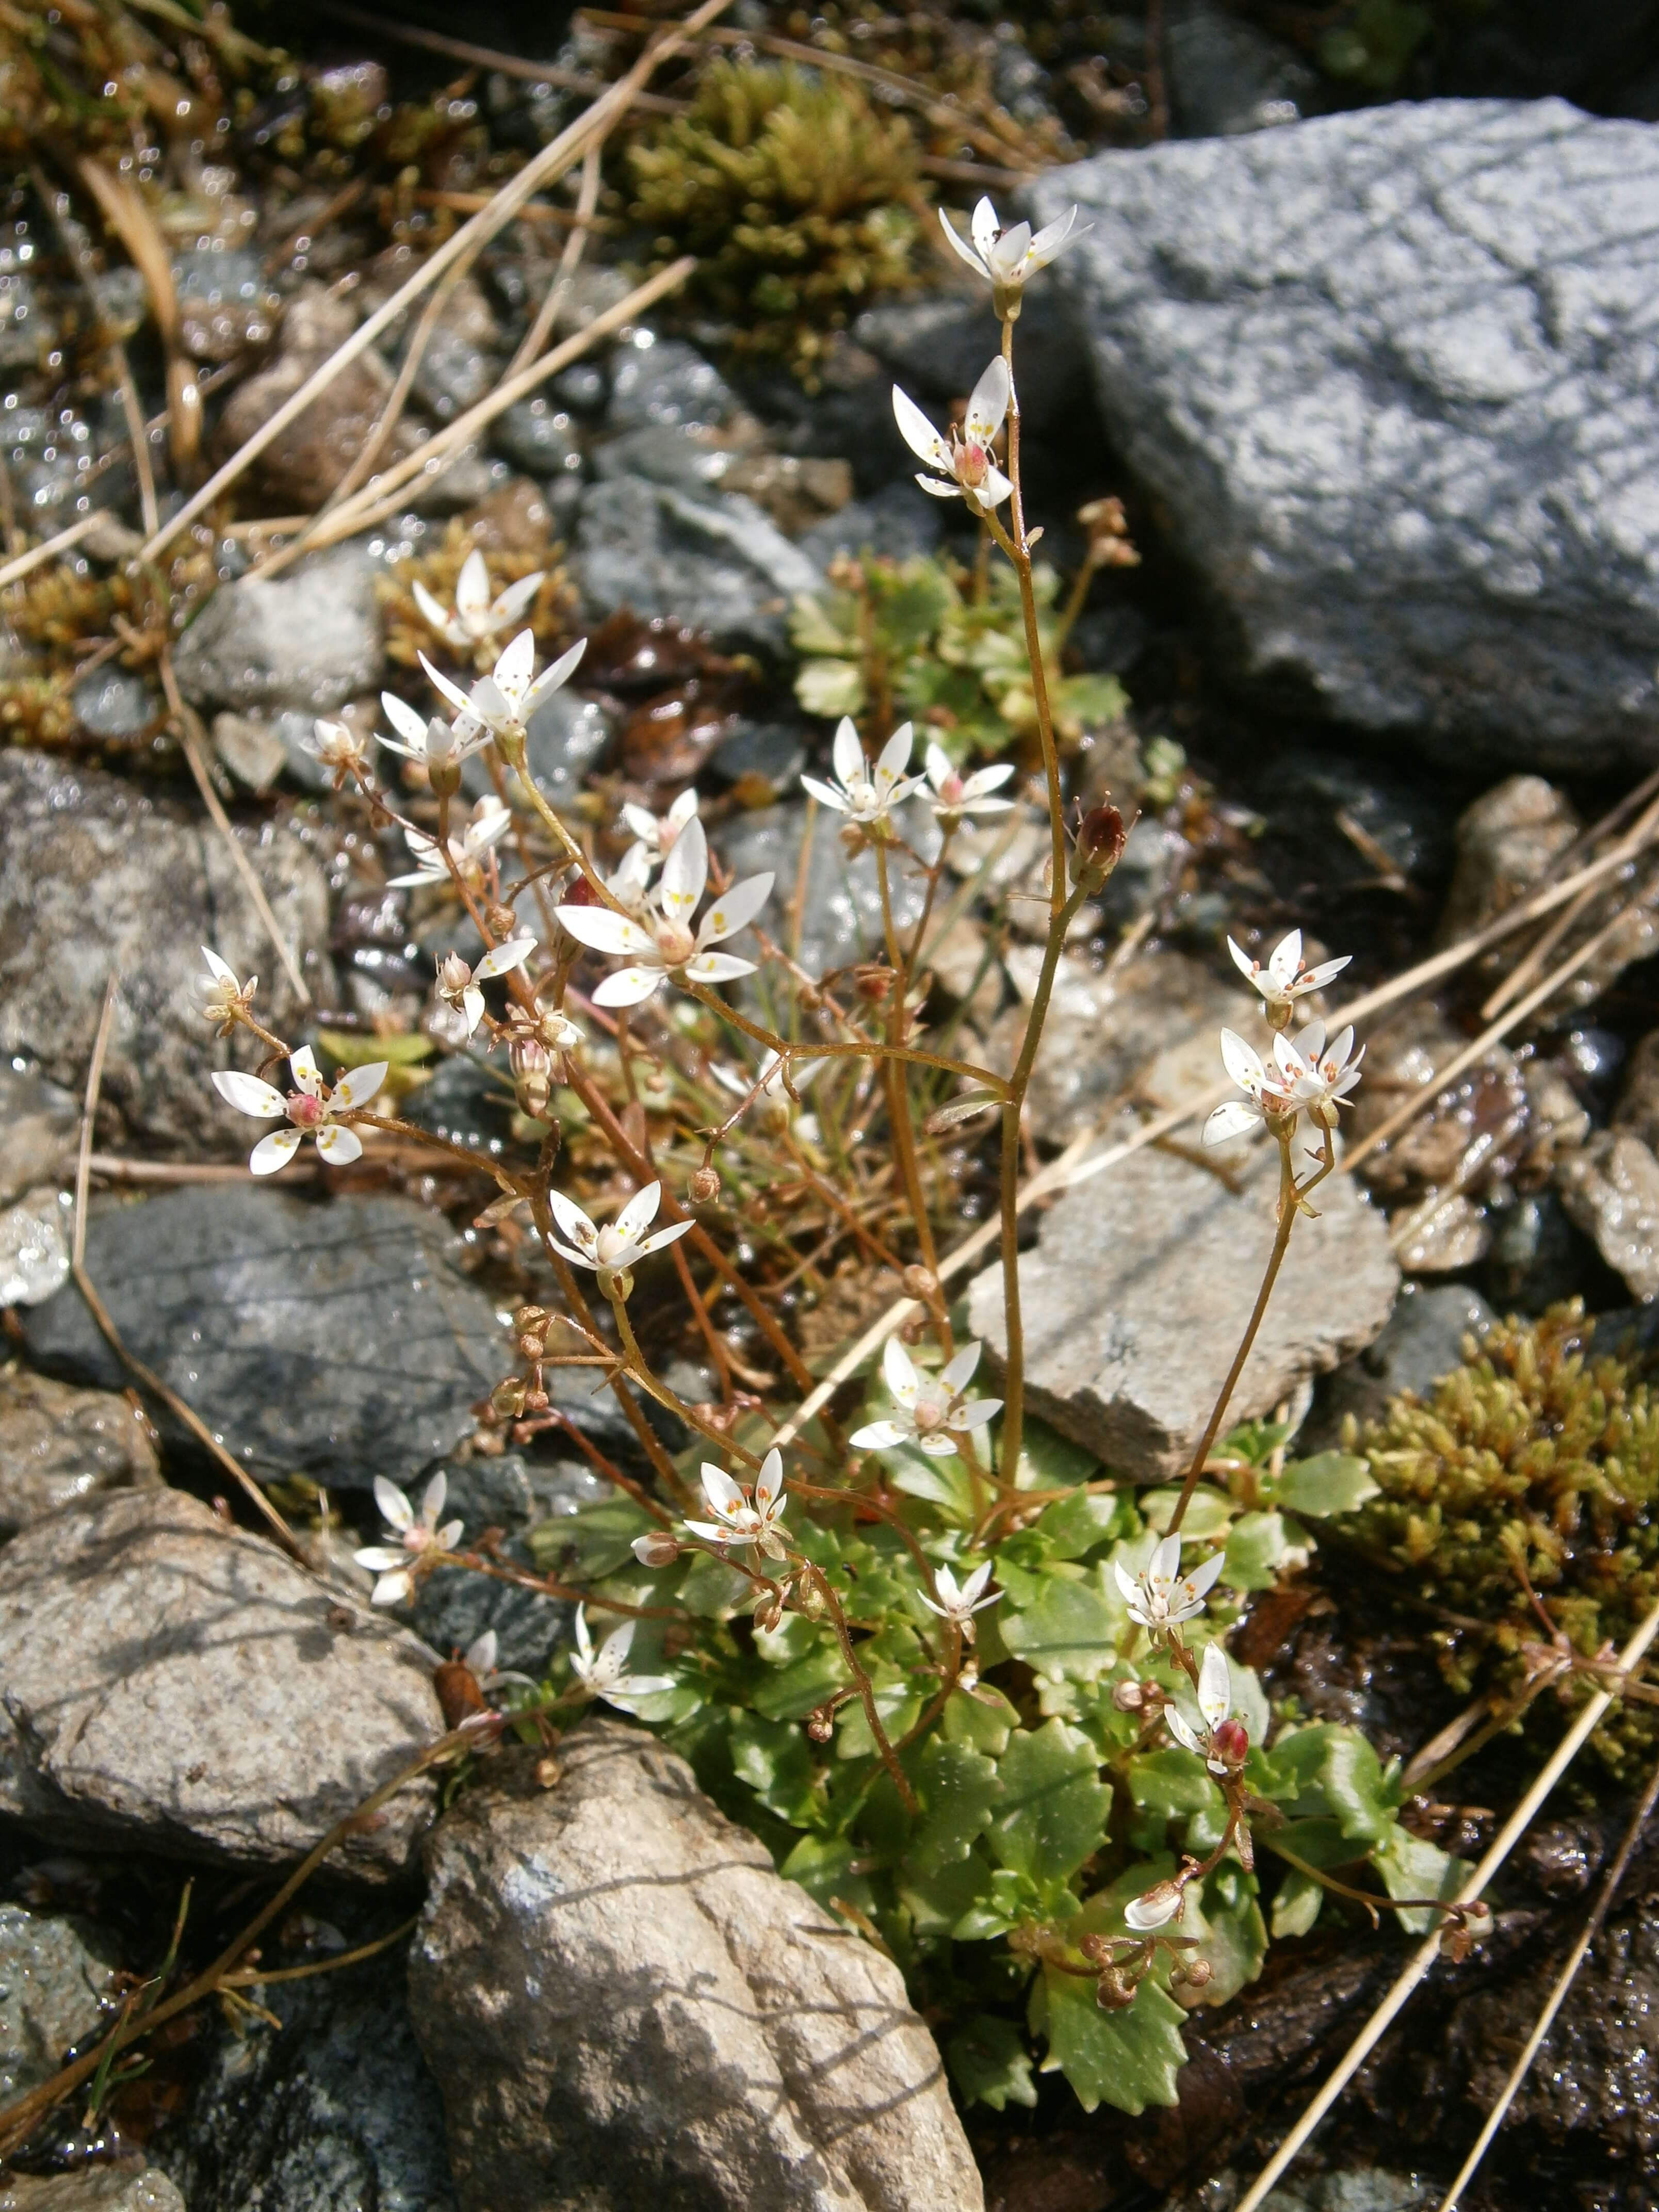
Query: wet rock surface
pixel 622 2001
pixel 332 2110
pixel 1138 1289
pixel 131 2186
pixel 59 1445
pixel 1387 373
pixel 34 1247
pixel 1422 1340
pixel 56 1973
pixel 137 1629
pixel 309 639
pixel 97 880
pixel 1611 1189
pixel 339 1340
pixel 39 1123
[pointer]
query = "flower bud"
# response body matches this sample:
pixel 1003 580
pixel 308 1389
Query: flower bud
pixel 1231 1742
pixel 506 1399
pixel 532 1321
pixel 873 984
pixel 768 1610
pixel 503 922
pixel 458 1693
pixel 704 1186
pixel 1128 1697
pixel 1101 838
pixel 1196 1973
pixel 1115 1991
pixel 532 1075
pixel 821 1723
pixel 656 1548
pixel 921 1283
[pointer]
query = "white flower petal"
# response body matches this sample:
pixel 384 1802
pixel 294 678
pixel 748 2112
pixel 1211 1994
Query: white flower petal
pixel 725 1498
pixel 308 1076
pixel 1049 240
pixel 451 691
pixel 218 969
pixel 949 489
pixel 274 1151
pixel 899 1370
pixel 989 404
pixel 512 667
pixel 1239 1117
pixel 630 986
pixel 671 1235
pixel 824 795
pixel 717 967
pixel 985 227
pixel 1183 1732
pixel 878 1436
pixel 1215 1694
pixel 359 1085
pixel 248 1093
pixel 395 1508
pixel 338 1147
pixel 958 1373
pixel 553 678
pixel 505 957
pixel 960 245
pixel 603 930
pixel 572 1221
pixel 734 909
pixel 516 598
pixel 685 873
pixel 1286 958
pixel 918 433
pixel 1242 1062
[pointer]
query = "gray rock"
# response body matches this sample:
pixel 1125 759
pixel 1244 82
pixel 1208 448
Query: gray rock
pixel 225 304
pixel 309 639
pixel 1536 1258
pixel 335 2111
pixel 115 703
pixel 131 2186
pixel 39 1123
pixel 682 456
pixel 898 522
pixel 665 380
pixel 338 1341
pixel 58 1444
pixel 173 1685
pixel 34 1247
pixel 95 880
pixel 1422 1340
pixel 623 2003
pixel 841 906
pixel 1136 1297
pixel 253 751
pixel 1389 376
pixel 1611 1190
pixel 1442 1234
pixel 1506 841
pixel 713 562
pixel 454 374
pixel 55 1972
pixel 761 756
pixel 1132 1028
pixel 1637 1109
pixel 537 436
pixel 1227 76
pixel 452 1609
pixel 567 734
pixel 936 343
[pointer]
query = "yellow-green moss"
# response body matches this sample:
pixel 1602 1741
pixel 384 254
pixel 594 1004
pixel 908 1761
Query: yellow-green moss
pixel 799 199
pixel 1542 1450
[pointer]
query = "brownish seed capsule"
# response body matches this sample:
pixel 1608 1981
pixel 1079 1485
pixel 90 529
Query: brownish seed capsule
pixel 705 1186
pixel 458 1693
pixel 921 1283
pixel 1101 839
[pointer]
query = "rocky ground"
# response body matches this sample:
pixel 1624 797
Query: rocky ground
pixel 1363 338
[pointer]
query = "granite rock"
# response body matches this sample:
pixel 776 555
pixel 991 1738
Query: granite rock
pixel 58 1445
pixel 1611 1190
pixel 623 2003
pixel 169 1684
pixel 1388 376
pixel 97 880
pixel 1138 1291
pixel 338 1341
pixel 56 1970
pixel 309 639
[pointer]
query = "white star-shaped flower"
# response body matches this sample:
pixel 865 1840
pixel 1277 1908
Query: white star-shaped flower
pixel 604 1674
pixel 409 1536
pixel 954 794
pixel 1267 1099
pixel 460 1003
pixel 506 699
pixel 736 1520
pixel 336 747
pixel 654 834
pixel 491 823
pixel 224 1000
pixel 1215 1697
pixel 661 942
pixel 864 792
pixel 310 1107
pixel 1283 979
pixel 478 619
pixel 1316 1075
pixel 931 1411
pixel 966 458
pixel 1160 1597
pixel 610 1252
pixel 430 740
pixel 1154 1908
pixel 959 1604
pixel 1006 258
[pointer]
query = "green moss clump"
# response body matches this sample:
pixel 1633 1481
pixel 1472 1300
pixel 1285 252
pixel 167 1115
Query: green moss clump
pixel 1542 1453
pixel 800 201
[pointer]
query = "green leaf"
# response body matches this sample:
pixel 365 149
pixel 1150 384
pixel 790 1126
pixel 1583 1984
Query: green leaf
pixel 939 1902
pixel 823 1865
pixel 1331 1770
pixel 1049 1461
pixel 945 1483
pixel 980 1716
pixel 1070 1629
pixel 1412 1868
pixel 597 1539
pixel 1208 1515
pixel 712 1589
pixel 1052 1813
pixel 794 1691
pixel 1014 1898
pixel 1332 1482
pixel 990 2063
pixel 1129 2059
pixel 911 602
pixel 352 1048
pixel 1086 1522
pixel 1081 699
pixel 1296 1905
pixel 1256 1548
pixel 777 1762
pixel 813 628
pixel 897 1702
pixel 829 687
pixel 956 1787
pixel 1172 1785
pixel 1226 1918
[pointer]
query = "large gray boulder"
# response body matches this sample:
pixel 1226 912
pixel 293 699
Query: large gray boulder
pixel 1389 377
pixel 98 880
pixel 338 1341
pixel 1135 1298
pixel 309 639
pixel 624 2005
pixel 168 1684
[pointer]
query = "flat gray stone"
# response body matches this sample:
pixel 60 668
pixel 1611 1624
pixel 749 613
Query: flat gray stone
pixel 308 639
pixel 171 1685
pixel 1390 375
pixel 624 2005
pixel 339 1341
pixel 1135 1298
pixel 97 880
pixel 59 1445
pixel 713 561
